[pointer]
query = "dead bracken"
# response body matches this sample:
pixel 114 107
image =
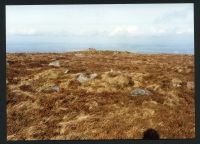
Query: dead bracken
pixel 87 95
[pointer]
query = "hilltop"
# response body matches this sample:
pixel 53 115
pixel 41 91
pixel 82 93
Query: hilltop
pixel 90 95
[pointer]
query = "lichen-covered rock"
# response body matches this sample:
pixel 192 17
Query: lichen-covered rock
pixel 139 92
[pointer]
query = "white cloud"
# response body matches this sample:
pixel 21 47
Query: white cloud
pixel 158 30
pixel 121 30
pixel 184 31
pixel 164 30
pixel 21 31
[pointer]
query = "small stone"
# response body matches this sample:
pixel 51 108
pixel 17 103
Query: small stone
pixel 49 89
pixel 93 76
pixel 55 64
pixel 176 82
pixel 55 88
pixel 66 71
pixel 190 85
pixel 180 70
pixel 82 78
pixel 140 91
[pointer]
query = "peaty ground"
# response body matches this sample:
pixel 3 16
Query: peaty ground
pixel 49 103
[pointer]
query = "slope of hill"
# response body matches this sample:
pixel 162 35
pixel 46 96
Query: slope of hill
pixel 88 95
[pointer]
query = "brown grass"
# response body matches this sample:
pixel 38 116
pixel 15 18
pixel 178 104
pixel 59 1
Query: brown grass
pixel 101 108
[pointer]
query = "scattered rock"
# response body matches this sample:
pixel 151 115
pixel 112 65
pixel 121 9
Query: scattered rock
pixel 55 88
pixel 140 91
pixel 84 77
pixel 55 64
pixel 7 81
pixel 52 89
pixel 180 70
pixel 190 85
pixel 176 82
pixel 66 71
pixel 93 76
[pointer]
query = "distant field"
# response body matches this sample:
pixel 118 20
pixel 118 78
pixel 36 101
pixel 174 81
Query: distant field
pixel 87 95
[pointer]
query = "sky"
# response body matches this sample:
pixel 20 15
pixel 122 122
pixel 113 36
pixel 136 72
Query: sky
pixel 144 28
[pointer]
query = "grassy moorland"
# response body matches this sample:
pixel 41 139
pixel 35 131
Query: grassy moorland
pixel 87 95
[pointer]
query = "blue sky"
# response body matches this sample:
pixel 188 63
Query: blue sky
pixel 153 28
